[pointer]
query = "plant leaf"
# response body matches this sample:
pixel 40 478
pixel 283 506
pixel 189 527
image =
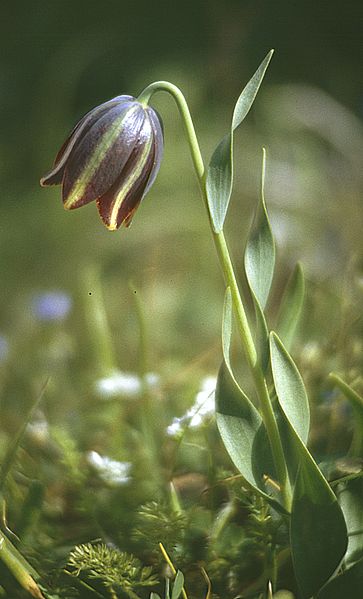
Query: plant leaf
pixel 260 249
pixel 290 388
pixel 243 434
pixel 348 584
pixel 10 454
pixel 350 497
pixel 237 418
pixel 239 422
pixel 291 306
pixel 178 585
pixel 317 527
pixel 259 262
pixel 220 171
pixel 261 336
pixel 227 327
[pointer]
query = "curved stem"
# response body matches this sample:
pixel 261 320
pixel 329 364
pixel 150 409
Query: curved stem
pixel 219 239
pixel 231 281
pixel 183 108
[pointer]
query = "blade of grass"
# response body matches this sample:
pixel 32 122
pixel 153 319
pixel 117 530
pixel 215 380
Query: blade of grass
pixel 13 447
pixel 171 566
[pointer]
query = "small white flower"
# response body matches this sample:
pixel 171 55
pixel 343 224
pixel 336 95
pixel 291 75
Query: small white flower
pixel 124 384
pixel 202 407
pixel 175 427
pixel 111 471
pixel 204 400
pixel 39 431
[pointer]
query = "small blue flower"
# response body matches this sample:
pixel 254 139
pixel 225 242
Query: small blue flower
pixel 4 348
pixel 51 306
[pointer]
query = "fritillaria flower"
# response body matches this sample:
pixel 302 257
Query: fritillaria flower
pixel 112 156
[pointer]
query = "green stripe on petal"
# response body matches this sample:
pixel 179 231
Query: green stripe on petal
pixel 96 158
pixel 129 182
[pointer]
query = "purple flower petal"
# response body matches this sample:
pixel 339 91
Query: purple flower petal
pixel 101 155
pixel 112 156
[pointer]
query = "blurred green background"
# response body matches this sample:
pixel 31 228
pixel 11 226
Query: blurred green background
pixel 59 58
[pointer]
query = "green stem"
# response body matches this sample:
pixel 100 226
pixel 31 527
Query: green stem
pixel 356 447
pixel 148 417
pixel 143 349
pixel 231 281
pixel 10 454
pixel 99 329
pixel 18 566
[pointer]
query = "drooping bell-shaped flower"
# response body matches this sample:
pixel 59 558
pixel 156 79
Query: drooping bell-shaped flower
pixel 112 156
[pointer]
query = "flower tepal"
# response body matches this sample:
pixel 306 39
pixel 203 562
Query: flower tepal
pixel 112 156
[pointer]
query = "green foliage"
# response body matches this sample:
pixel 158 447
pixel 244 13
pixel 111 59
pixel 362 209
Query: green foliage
pixel 317 527
pixel 239 423
pixel 116 569
pixel 259 260
pixel 260 250
pixel 10 454
pixel 290 389
pixel 177 588
pixel 220 172
pixel 178 585
pixel 70 456
pixel 291 306
pixel 156 521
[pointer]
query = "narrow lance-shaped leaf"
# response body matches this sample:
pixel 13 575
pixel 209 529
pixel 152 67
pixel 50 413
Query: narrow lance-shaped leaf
pixel 239 422
pixel 290 388
pixel 19 567
pixel 178 585
pixel 293 406
pixel 291 306
pixel 237 419
pixel 260 249
pixel 261 335
pixel 220 171
pixel 259 262
pixel 9 457
pixel 317 528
